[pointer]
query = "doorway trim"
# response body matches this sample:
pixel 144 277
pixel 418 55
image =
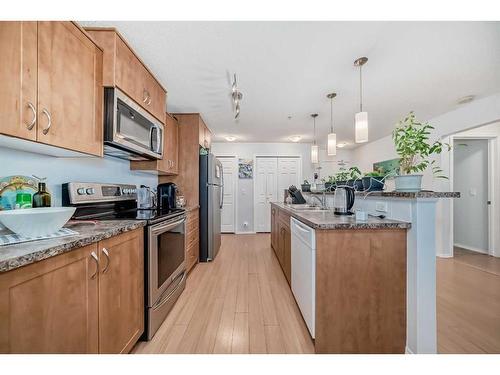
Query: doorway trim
pixel 255 156
pixel 493 190
pixel 235 186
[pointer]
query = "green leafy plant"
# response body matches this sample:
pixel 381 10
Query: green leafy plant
pixel 354 173
pixel 411 139
pixel 373 174
pixel 342 175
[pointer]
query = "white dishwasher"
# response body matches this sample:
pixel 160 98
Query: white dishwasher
pixel 304 271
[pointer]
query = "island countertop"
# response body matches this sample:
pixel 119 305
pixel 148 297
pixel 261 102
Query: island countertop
pixel 22 254
pixel 400 194
pixel 327 220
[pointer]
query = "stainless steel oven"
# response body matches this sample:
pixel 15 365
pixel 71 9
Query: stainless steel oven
pixel 166 270
pixel 130 132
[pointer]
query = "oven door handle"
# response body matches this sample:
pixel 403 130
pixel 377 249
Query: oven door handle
pixel 167 226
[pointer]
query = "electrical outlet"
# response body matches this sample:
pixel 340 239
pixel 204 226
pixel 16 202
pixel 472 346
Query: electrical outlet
pixel 381 206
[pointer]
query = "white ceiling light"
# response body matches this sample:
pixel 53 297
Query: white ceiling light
pixel 361 118
pixel 314 147
pixel 230 138
pixel 332 137
pixel 295 138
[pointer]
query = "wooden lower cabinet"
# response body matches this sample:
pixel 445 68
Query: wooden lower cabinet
pixel 121 292
pixel 360 291
pixel 281 240
pixel 51 306
pixel 192 242
pixel 72 303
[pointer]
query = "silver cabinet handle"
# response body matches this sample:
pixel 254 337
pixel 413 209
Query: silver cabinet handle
pixel 33 121
pixel 149 100
pixel 144 95
pixel 107 258
pixel 47 113
pixel 94 256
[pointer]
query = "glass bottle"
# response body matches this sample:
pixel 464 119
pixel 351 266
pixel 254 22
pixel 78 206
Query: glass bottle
pixel 42 197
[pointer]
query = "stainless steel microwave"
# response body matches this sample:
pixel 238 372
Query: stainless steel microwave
pixel 130 132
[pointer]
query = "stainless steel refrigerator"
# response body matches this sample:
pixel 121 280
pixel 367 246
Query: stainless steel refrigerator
pixel 211 200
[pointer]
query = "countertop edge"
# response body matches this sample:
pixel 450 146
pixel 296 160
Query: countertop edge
pixel 356 225
pixel 400 194
pixel 39 255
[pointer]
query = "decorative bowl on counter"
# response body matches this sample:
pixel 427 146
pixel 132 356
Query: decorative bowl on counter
pixel 35 222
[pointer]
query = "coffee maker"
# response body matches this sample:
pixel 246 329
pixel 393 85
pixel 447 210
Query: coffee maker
pixel 166 196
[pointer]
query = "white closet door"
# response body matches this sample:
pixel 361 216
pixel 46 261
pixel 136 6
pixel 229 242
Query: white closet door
pixel 288 174
pixel 228 215
pixel 266 191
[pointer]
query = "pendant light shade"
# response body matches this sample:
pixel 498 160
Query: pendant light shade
pixel 332 137
pixel 361 127
pixel 314 154
pixel 361 118
pixel 332 144
pixel 314 147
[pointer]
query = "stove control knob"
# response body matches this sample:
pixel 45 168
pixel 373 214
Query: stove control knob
pixel 80 191
pixel 90 191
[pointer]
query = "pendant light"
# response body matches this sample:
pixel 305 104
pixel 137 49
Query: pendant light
pixel 361 118
pixel 332 137
pixel 314 147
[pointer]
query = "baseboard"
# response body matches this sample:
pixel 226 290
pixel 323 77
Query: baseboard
pixel 444 256
pixel 408 350
pixel 471 248
pixel 244 233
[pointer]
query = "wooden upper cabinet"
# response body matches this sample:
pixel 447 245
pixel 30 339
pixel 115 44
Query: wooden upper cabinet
pixel 205 136
pixel 18 77
pixel 121 292
pixel 169 164
pixel 51 306
pixel 70 93
pixel 125 70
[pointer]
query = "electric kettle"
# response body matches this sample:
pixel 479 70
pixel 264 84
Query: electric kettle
pixel 343 200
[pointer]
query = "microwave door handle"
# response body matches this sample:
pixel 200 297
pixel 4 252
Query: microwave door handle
pixel 151 138
pixel 158 139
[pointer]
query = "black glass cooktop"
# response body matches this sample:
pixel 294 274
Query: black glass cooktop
pixel 151 215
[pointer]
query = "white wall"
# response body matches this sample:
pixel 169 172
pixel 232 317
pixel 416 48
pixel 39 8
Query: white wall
pixel 477 113
pixel 61 170
pixel 249 150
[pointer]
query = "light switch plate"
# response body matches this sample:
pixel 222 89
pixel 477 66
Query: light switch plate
pixel 381 206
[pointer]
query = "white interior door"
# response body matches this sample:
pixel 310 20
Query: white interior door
pixel 228 215
pixel 265 191
pixel 288 174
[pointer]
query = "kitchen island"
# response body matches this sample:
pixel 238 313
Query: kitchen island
pixel 423 242
pixel 359 277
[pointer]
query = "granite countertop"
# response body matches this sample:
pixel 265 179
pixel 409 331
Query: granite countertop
pixel 22 254
pixel 401 194
pixel 328 220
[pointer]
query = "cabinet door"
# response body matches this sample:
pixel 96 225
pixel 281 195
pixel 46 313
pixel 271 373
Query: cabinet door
pixel 156 97
pixel 274 228
pixel 51 306
pixel 121 292
pixel 208 138
pixel 18 75
pixel 175 147
pixel 70 92
pixel 287 253
pixel 281 243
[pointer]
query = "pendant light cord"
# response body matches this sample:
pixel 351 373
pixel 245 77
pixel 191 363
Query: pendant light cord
pixel 360 89
pixel 331 115
pixel 314 122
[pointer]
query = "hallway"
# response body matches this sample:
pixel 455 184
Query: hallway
pixel 240 303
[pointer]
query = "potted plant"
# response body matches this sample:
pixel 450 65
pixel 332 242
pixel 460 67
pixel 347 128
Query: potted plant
pixel 411 139
pixel 373 181
pixel 341 177
pixel 355 179
pixel 330 183
pixel 306 186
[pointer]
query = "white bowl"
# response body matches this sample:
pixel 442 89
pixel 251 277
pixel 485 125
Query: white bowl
pixel 35 222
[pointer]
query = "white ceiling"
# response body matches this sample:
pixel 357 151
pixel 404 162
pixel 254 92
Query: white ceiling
pixel 287 68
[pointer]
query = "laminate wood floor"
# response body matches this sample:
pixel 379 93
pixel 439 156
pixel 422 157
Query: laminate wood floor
pixel 239 303
pixel 468 303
